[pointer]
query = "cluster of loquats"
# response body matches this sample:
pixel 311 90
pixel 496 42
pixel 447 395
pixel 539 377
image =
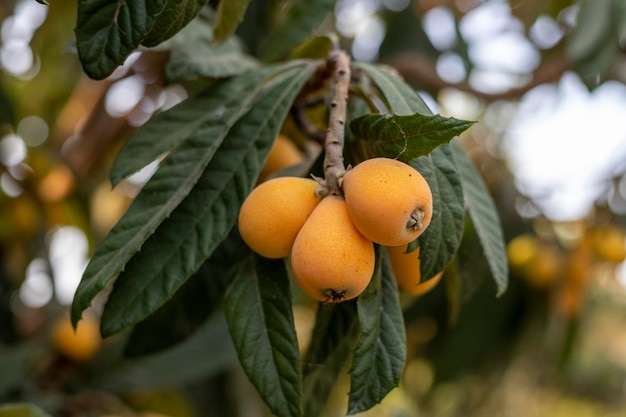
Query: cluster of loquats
pixel 330 239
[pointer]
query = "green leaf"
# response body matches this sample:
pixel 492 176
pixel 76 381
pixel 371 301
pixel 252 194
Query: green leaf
pixel 210 112
pixel 193 54
pixel 298 23
pixel 204 218
pixel 260 318
pixel 378 357
pixel 441 239
pixel 107 31
pixel 22 410
pixel 334 335
pixel 316 47
pixel 592 29
pixel 169 185
pixel 484 215
pixel 400 96
pixel 176 14
pixel 229 15
pixel 406 137
pixel 181 316
pixel 207 352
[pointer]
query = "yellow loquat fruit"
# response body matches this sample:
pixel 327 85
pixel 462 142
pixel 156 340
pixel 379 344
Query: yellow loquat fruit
pixel 273 213
pixel 389 201
pixel 330 259
pixel 406 269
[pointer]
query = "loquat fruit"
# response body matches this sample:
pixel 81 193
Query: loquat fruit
pixel 609 243
pixel 330 259
pixel 273 213
pixel 81 344
pixel 284 153
pixel 406 269
pixel 389 201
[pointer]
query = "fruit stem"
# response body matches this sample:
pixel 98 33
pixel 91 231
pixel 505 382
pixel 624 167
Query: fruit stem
pixel 339 63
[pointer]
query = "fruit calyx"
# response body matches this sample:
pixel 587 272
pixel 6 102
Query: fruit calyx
pixel 333 296
pixel 415 220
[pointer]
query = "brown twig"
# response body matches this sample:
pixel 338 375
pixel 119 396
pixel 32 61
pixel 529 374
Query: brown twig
pixel 334 169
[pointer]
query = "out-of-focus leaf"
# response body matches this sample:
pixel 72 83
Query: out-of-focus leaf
pixel 484 215
pixel 592 29
pixel 406 137
pixel 14 362
pixel 22 410
pixel 204 218
pixel 442 238
pixel 334 336
pixel 400 97
pixel 260 318
pixel 169 185
pixel 298 24
pixel 193 54
pixel 107 31
pixel 316 47
pixel 176 14
pixel 229 15
pixel 378 357
pixel 210 350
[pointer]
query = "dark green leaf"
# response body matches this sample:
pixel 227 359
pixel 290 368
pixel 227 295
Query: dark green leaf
pixel 406 137
pixel 400 96
pixel 169 185
pixel 193 55
pixel 260 318
pixel 207 352
pixel 107 31
pixel 44 2
pixel 378 357
pixel 229 15
pixel 298 24
pixel 22 410
pixel 484 215
pixel 176 14
pixel 204 218
pixel 208 113
pixel 14 363
pixel 181 316
pixel 334 335
pixel 442 238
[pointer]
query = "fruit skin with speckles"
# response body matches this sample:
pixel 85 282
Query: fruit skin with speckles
pixel 406 269
pixel 273 213
pixel 389 201
pixel 330 259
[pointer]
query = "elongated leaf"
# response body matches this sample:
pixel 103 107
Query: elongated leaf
pixel 484 215
pixel 229 15
pixel 378 357
pixel 442 238
pixel 593 29
pixel 22 410
pixel 334 336
pixel 166 189
pixel 217 107
pixel 182 315
pixel 259 315
pixel 400 96
pixel 176 14
pixel 298 24
pixel 406 137
pixel 204 218
pixel 200 58
pixel 107 31
pixel 207 352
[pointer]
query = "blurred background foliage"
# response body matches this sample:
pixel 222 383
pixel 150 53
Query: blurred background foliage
pixel 545 80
